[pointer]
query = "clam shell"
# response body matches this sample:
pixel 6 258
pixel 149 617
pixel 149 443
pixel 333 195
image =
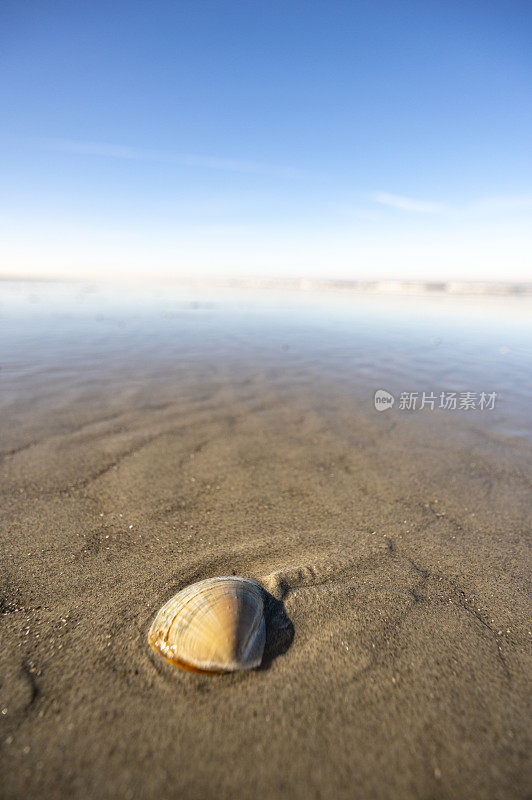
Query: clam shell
pixel 216 625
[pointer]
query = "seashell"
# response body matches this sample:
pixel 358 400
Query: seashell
pixel 216 625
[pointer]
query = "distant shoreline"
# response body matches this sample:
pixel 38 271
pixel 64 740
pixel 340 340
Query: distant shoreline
pixel 451 287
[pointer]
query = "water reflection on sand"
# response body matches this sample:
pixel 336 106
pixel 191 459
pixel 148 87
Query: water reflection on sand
pixel 358 342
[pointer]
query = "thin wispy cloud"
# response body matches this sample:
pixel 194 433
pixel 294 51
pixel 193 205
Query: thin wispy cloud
pixel 407 203
pixel 108 150
pixel 487 206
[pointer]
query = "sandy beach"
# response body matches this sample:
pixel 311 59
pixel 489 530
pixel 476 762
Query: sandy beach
pixel 394 545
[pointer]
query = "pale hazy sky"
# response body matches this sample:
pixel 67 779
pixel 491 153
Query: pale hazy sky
pixel 333 139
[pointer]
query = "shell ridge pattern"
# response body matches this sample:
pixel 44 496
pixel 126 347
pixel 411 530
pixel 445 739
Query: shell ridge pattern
pixel 184 619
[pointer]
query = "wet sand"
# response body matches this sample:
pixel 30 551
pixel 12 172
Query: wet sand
pixel 394 544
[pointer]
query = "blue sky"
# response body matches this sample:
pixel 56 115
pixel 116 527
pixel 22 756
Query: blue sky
pixel 342 139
